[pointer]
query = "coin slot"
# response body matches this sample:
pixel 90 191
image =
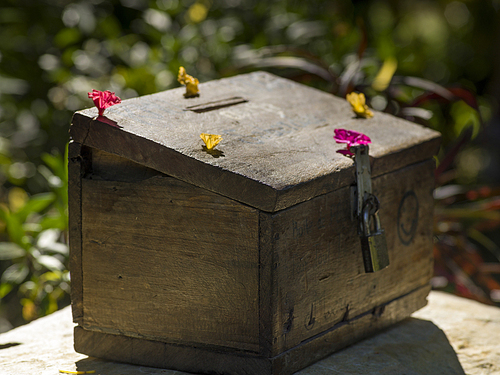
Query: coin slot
pixel 218 104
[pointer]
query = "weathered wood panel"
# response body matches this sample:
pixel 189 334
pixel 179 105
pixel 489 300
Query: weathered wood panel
pixel 350 331
pixel 277 148
pixel 200 360
pixel 266 296
pixel 165 260
pixel 115 168
pixel 77 165
pixel 318 274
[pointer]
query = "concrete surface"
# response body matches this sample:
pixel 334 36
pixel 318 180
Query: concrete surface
pixel 451 335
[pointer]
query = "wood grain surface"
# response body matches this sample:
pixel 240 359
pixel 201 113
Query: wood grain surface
pixel 277 148
pixel 349 331
pixel 318 279
pixel 200 360
pixel 301 269
pixel 76 169
pixel 169 261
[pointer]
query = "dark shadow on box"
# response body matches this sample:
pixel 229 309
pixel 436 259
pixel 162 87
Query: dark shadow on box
pixel 412 347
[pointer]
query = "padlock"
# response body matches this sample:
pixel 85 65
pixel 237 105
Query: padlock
pixel 373 244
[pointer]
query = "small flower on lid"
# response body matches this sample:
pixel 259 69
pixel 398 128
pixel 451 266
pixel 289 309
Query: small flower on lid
pixel 358 104
pixel 104 99
pixel 211 140
pixel 351 138
pixel 190 82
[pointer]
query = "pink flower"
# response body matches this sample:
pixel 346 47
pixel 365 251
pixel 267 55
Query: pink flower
pixel 103 100
pixel 351 138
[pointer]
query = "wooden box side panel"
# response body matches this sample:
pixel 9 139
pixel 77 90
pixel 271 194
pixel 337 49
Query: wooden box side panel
pixel 349 332
pixel 318 276
pixel 76 167
pixel 168 261
pixel 200 360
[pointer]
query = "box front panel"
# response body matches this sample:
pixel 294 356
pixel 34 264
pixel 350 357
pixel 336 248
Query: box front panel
pixel 171 262
pixel 319 278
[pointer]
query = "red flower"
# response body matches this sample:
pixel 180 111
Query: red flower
pixel 351 138
pixel 103 100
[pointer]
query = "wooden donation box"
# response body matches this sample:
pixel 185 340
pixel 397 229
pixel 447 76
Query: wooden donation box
pixel 244 259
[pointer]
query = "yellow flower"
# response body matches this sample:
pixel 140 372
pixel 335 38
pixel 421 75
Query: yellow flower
pixel 190 82
pixel 385 74
pixel 211 140
pixel 358 104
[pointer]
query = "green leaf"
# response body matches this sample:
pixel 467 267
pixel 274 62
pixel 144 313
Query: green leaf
pixel 48 241
pixel 5 289
pixel 51 178
pixel 4 213
pixel 55 163
pixel 54 222
pixel 66 37
pixel 65 164
pixel 15 230
pixel 109 27
pixel 10 250
pixel 36 203
pixel 464 116
pixel 51 276
pixel 15 274
pixel 32 227
pixel 50 262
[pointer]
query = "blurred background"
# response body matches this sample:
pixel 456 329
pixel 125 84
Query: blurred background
pixel 433 62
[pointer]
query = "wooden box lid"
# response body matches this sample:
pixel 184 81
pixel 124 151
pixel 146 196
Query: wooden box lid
pixel 277 149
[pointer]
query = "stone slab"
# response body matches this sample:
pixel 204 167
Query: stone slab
pixel 473 329
pixel 449 336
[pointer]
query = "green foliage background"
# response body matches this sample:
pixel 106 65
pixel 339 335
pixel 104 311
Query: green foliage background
pixel 53 52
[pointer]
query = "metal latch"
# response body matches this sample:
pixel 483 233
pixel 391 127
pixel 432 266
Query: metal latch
pixel 365 207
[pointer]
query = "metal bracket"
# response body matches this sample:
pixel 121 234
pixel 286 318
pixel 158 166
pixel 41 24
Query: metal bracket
pixel 363 188
pixel 365 206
